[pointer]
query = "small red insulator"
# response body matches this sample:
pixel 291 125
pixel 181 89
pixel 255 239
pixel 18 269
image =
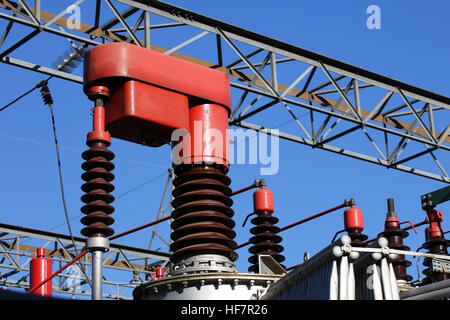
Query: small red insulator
pixel 353 218
pixel 392 222
pixel 40 270
pixel 159 273
pixel 263 200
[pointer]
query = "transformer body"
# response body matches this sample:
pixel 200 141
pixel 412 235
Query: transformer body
pixel 206 286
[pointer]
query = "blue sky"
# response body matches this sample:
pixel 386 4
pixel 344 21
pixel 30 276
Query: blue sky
pixel 411 46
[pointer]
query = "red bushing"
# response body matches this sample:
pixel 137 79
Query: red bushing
pixel 353 218
pixel 159 273
pixel 394 236
pixel 263 200
pixel 435 218
pixel 391 222
pixel 40 270
pixel 151 92
pixel 265 241
pixel 98 133
pixel 207 140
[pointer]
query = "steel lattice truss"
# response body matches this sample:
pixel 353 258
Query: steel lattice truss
pixel 372 117
pixel 17 245
pixel 125 267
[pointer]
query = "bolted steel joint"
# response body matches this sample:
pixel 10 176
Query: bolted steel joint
pixel 97 244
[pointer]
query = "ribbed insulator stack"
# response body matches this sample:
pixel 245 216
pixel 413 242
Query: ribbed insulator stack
pixel 265 240
pixel 435 243
pixel 98 174
pixel 354 225
pixel 98 167
pixel 202 213
pixel 395 236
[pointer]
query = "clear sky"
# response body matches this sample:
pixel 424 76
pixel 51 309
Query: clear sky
pixel 412 46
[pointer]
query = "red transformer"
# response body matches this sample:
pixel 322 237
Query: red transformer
pixel 41 269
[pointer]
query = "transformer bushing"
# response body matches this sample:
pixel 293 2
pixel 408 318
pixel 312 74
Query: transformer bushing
pixel 265 240
pixel 98 167
pixel 354 225
pixel 97 188
pixel 436 244
pixel 202 229
pixel 395 236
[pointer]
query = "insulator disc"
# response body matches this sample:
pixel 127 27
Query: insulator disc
pixel 97 198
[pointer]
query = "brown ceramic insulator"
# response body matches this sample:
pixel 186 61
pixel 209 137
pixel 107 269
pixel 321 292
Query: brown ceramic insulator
pixel 436 245
pixel 395 236
pixel 357 237
pixel 202 213
pixel 97 198
pixel 265 240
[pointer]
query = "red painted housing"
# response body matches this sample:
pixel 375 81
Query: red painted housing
pixel 151 92
pixel 263 200
pixel 435 218
pixel 159 273
pixel 208 138
pixel 353 218
pixel 40 270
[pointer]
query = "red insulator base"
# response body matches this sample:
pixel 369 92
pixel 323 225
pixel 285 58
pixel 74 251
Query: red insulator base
pixel 97 187
pixel 202 213
pixel 265 240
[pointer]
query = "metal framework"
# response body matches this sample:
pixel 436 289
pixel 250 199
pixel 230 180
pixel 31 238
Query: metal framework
pixel 125 267
pixel 317 101
pixel 376 119
pixel 132 265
